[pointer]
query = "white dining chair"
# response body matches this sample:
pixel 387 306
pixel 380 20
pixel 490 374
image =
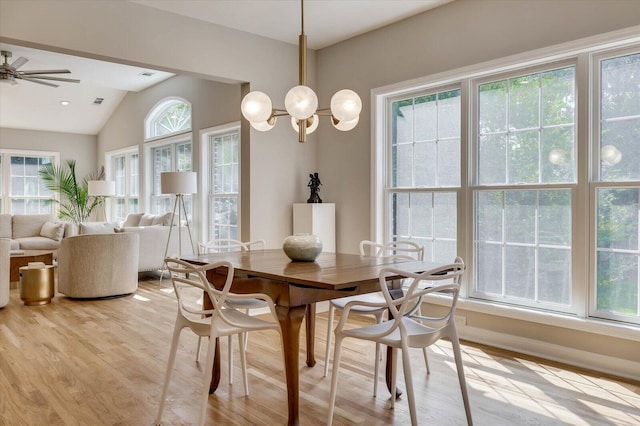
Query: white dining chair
pixel 222 245
pixel 217 322
pixel 398 249
pixel 402 332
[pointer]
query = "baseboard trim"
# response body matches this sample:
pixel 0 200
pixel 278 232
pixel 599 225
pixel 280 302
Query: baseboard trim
pixel 589 360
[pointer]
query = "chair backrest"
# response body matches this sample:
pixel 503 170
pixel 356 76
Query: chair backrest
pixel 449 276
pixel 227 244
pixel 399 248
pixel 185 275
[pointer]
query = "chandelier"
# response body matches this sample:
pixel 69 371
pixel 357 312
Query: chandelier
pixel 301 102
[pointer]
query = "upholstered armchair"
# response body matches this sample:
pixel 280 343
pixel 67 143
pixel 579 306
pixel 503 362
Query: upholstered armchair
pixel 5 248
pixel 98 265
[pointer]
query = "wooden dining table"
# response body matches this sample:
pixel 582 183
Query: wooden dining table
pixel 296 287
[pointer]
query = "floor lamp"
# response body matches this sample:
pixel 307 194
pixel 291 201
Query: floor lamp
pixel 180 184
pixel 100 189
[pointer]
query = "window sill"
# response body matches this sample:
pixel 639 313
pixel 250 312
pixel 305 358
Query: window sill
pixel 590 325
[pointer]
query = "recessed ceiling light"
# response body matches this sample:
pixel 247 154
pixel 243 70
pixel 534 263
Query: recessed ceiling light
pixel 65 103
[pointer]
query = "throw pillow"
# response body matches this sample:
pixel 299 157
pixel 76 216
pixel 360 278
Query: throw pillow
pixel 165 219
pixel 133 219
pixel 97 228
pixel 146 220
pixel 52 230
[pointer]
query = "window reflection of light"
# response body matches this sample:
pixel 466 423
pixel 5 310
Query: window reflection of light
pixel 610 155
pixel 556 156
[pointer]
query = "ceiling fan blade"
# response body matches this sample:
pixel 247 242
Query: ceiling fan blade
pixel 46 77
pixel 33 80
pixel 31 72
pixel 19 62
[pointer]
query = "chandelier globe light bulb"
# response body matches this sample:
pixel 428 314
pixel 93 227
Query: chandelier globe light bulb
pixel 264 126
pixel 346 105
pixel 311 127
pixel 256 107
pixel 301 102
pixel 345 126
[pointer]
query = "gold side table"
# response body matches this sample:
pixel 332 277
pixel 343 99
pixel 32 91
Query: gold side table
pixel 36 285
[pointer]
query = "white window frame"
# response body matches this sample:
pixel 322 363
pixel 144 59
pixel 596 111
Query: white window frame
pixel 385 234
pixel 156 110
pixel 149 147
pixel 5 196
pixel 595 179
pixel 578 48
pixel 109 161
pixel 475 187
pixel 207 170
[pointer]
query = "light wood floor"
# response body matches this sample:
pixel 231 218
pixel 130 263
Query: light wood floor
pixel 103 362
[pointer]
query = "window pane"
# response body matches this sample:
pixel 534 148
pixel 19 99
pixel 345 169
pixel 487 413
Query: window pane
pixel 618 220
pixel 620 118
pixel 424 161
pixel 445 215
pixel 617 285
pixel 528 150
pixel 400 216
pixel 529 227
pixel 421 215
pixel 555 275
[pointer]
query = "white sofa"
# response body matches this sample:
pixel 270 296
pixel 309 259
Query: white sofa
pixel 153 231
pixel 34 231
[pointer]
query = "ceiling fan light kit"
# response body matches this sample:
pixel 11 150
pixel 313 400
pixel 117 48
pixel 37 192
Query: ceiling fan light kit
pixel 301 102
pixel 9 72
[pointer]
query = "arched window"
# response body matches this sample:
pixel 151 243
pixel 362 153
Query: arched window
pixel 170 116
pixel 168 148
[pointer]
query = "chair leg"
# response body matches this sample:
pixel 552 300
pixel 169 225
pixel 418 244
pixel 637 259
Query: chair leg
pixel 329 332
pixel 334 379
pixel 376 369
pixel 172 358
pixel 455 343
pixel 230 357
pixel 245 336
pixel 243 362
pixel 424 350
pixel 208 372
pixel 408 379
pixel 394 376
pixel 198 348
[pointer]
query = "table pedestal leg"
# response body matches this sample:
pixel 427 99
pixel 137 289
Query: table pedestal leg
pixel 310 323
pixel 215 376
pixel 290 319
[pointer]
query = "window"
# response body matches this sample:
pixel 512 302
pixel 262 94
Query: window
pixel 123 169
pixel 525 144
pixel 22 190
pixel 540 189
pixel 169 117
pixel 617 187
pixel 168 126
pixel 221 153
pixel 424 171
pixel 172 156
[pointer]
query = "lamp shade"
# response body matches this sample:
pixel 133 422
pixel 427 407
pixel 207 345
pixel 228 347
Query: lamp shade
pixel 178 183
pixel 102 188
pixel 311 127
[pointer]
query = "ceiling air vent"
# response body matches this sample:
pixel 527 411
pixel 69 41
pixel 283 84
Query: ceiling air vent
pixel 98 101
pixel 146 73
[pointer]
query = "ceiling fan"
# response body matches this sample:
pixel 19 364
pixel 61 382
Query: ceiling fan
pixel 9 73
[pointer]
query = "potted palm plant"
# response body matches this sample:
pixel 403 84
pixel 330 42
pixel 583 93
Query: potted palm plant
pixel 75 204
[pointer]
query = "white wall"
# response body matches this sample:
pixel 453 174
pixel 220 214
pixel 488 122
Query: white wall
pixel 81 148
pixel 131 33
